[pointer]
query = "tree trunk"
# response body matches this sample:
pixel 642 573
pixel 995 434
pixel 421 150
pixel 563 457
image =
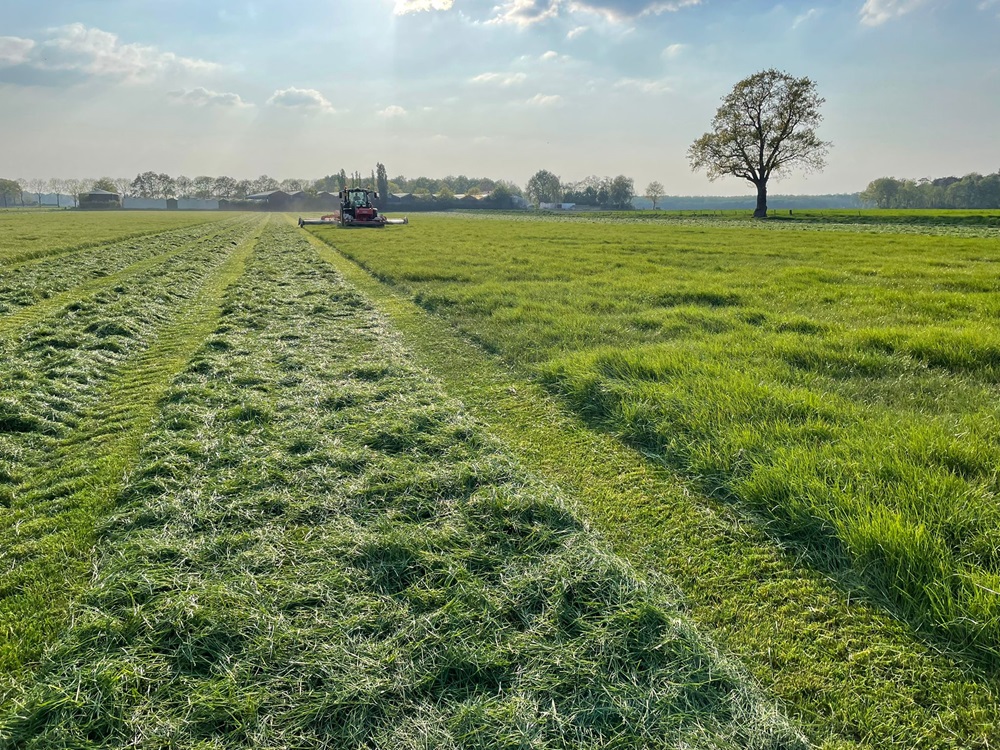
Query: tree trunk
pixel 761 211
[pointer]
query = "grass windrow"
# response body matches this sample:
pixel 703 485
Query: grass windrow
pixel 318 548
pixel 67 405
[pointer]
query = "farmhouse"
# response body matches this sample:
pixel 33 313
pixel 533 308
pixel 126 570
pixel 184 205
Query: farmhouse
pixel 97 199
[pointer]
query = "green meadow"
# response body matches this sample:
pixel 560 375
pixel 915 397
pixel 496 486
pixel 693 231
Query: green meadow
pixel 27 234
pixel 840 386
pixel 236 513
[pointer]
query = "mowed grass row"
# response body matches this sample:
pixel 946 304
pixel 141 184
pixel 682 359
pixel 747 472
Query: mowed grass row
pixel 76 387
pixel 840 386
pixel 57 280
pixel 319 549
pixel 26 235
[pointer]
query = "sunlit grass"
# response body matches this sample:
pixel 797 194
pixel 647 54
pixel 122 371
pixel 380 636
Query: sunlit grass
pixel 317 548
pixel 840 386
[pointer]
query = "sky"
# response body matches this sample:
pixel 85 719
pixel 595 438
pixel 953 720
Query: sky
pixel 486 88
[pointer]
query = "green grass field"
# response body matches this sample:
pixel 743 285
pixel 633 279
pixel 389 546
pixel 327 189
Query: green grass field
pixel 27 234
pixel 838 388
pixel 237 514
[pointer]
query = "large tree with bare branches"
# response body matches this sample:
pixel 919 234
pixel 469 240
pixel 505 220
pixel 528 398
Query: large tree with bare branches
pixel 766 126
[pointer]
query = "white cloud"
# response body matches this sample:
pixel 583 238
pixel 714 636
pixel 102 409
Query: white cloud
pixel 643 85
pixel 14 50
pixel 614 10
pixel 503 79
pixel 202 97
pixel 877 12
pixel 553 55
pixel 526 13
pixel 577 31
pixel 393 110
pixel 544 100
pixel 306 100
pixel 803 17
pixel 100 53
pixel 402 7
pixel 673 51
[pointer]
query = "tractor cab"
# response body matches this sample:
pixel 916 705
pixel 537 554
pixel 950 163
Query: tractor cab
pixel 356 203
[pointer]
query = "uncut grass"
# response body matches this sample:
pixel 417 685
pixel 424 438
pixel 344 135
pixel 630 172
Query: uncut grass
pixel 840 386
pixel 54 373
pixel 319 550
pixel 945 223
pixel 28 283
pixel 25 235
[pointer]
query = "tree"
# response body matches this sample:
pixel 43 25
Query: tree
pixel 146 185
pixel 106 184
pixel 9 191
pixel 765 126
pixel 184 185
pixel 382 184
pixel 654 191
pixel 881 192
pixel 224 187
pixel 544 187
pixel 621 192
pixel 56 186
pixel 203 186
pixel 263 184
pixel 37 186
pixel 123 186
pixel 500 196
pixel 75 187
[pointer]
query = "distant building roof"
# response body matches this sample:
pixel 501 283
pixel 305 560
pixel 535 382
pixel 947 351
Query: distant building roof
pixel 268 195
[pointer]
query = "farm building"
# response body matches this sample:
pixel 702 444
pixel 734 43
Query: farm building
pixel 272 200
pixel 97 199
pixel 197 204
pixel 145 204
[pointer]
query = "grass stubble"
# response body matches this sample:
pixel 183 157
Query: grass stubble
pixel 318 548
pixel 838 391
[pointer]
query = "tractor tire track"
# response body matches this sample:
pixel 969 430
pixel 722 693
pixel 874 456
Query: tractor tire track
pixel 49 524
pixel 53 276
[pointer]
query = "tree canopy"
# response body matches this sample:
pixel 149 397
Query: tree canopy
pixel 766 126
pixel 972 191
pixel 544 187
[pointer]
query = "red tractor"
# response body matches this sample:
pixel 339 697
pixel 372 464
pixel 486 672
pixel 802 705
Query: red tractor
pixel 356 210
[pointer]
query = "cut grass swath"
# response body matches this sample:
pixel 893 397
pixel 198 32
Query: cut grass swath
pixel 84 389
pixel 318 549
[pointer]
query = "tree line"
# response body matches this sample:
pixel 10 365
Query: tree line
pixel 972 191
pixel 160 185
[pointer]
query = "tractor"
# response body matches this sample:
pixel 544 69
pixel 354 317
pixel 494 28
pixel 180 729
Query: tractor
pixel 356 210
